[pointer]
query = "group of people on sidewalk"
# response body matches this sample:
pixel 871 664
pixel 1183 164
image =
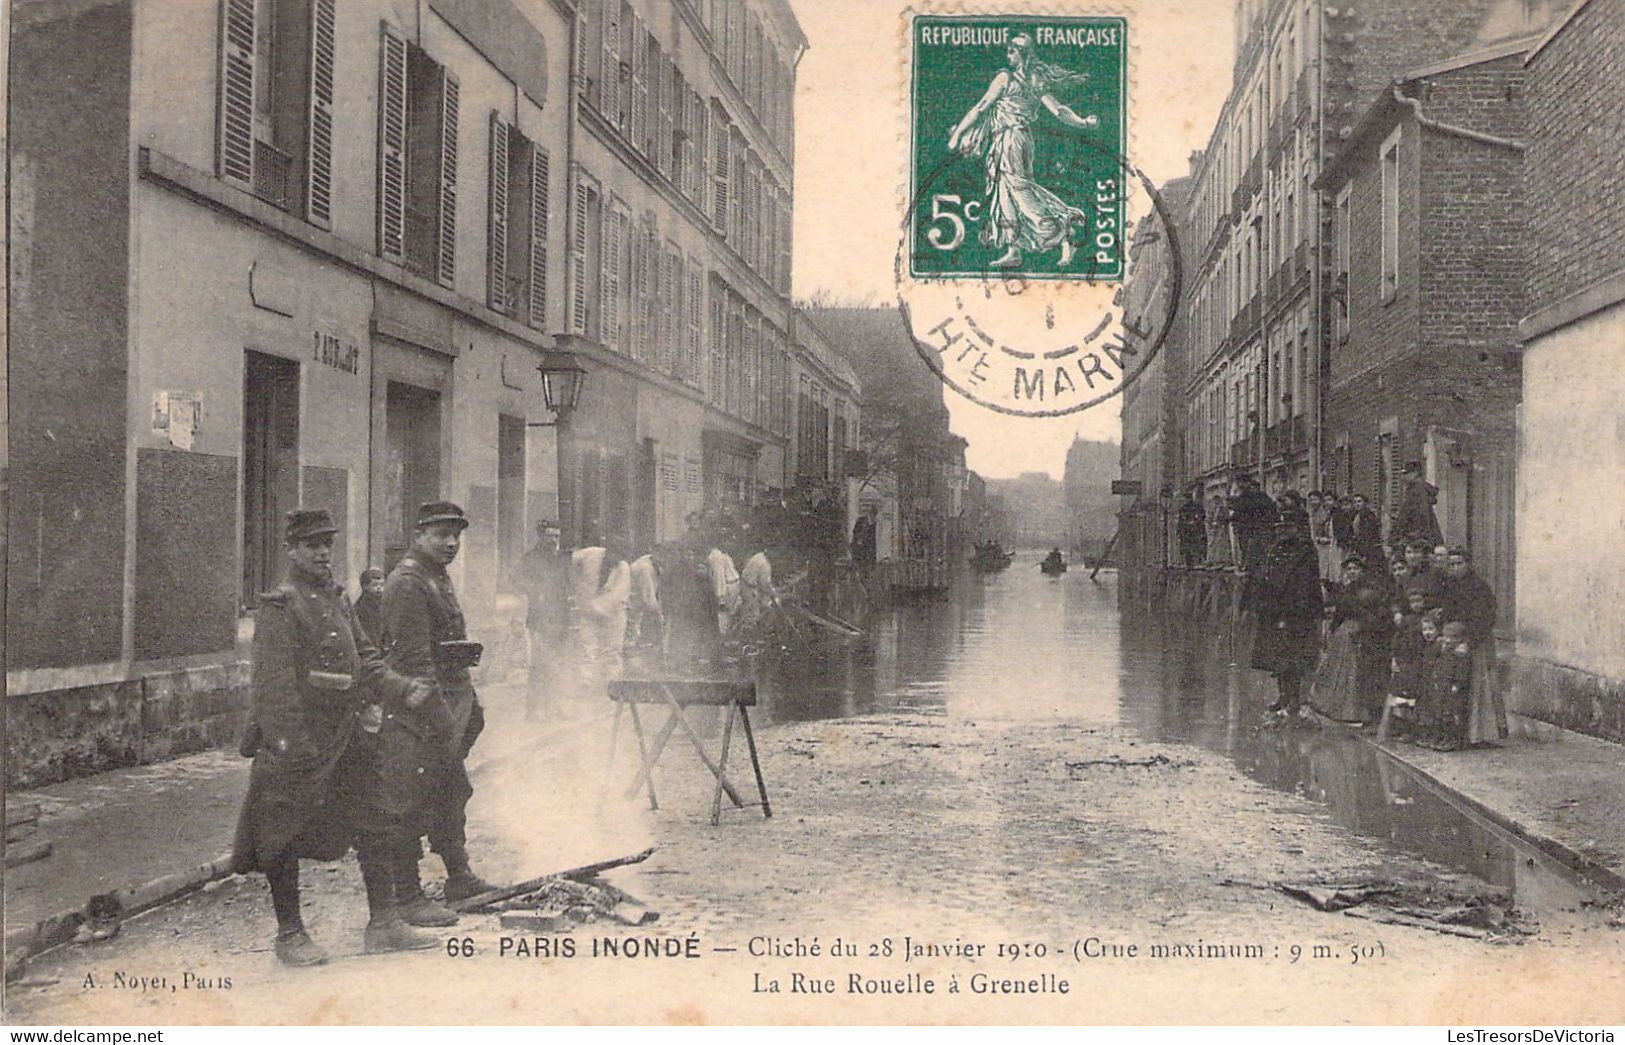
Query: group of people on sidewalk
pixel 1402 632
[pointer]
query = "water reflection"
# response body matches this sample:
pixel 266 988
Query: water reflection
pixel 1021 645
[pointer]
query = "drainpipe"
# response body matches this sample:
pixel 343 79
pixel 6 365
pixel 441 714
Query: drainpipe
pixel 1452 129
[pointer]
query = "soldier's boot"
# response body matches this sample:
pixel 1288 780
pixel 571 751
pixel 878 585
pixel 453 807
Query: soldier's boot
pixel 461 882
pixel 298 949
pixel 411 904
pixel 387 932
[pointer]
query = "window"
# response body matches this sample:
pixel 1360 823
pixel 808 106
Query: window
pixel 586 255
pixel 1344 233
pixel 516 241
pixel 274 134
pixel 417 160
pixel 1390 215
pixel 589 42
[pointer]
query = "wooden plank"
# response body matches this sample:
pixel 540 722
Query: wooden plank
pixel 21 813
pixel 26 854
pixel 586 871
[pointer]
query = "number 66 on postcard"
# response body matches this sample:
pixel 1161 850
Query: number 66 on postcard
pixel 1019 127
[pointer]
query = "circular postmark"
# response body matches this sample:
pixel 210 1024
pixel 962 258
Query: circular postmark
pixel 1038 271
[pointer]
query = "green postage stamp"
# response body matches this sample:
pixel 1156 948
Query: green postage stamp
pixel 1019 127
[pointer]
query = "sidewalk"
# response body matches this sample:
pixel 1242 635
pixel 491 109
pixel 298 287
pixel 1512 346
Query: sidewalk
pixel 152 833
pixel 1563 792
pixel 157 832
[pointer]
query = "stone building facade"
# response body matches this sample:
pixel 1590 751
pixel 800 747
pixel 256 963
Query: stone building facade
pixel 272 252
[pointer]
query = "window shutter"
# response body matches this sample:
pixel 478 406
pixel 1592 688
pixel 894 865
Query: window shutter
pixel 714 386
pixel 609 62
pixel 589 13
pixel 392 146
pixel 665 76
pixel 496 240
pixel 538 237
pixel 447 255
pixel 609 309
pixel 639 129
pixel 319 145
pixel 671 311
pixel 234 148
pixel 738 188
pixel 634 295
pixel 579 203
pixel 694 304
pixel 720 169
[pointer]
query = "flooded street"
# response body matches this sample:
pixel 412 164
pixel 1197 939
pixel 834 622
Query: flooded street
pixel 1017 781
pixel 1019 645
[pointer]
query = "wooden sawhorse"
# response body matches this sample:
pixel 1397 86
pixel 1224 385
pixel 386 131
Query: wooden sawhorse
pixel 676 695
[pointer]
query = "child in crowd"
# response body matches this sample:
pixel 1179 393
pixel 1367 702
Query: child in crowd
pixel 1429 722
pixel 1404 685
pixel 1455 681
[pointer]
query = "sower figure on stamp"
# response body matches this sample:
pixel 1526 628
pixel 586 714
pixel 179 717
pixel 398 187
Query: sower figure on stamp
pixel 316 787
pixel 424 746
pixel 1022 215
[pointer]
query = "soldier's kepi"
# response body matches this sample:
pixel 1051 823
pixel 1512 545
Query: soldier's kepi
pixel 315 788
pixel 425 743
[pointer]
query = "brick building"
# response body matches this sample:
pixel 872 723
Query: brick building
pixel 1569 665
pixel 1429 263
pixel 1255 299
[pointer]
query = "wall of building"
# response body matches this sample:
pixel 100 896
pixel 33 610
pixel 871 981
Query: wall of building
pixel 1577 220
pixel 1569 667
pixel 69 141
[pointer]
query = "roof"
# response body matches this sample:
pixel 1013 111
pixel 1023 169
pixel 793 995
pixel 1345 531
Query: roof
pixel 1388 110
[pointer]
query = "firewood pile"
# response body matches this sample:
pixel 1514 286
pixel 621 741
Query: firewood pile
pixel 557 902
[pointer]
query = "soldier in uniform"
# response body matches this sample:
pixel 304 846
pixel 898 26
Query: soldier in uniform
pixel 315 788
pixel 424 747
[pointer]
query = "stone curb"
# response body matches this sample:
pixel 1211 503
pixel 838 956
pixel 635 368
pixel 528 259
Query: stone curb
pixel 27 942
pixel 1597 873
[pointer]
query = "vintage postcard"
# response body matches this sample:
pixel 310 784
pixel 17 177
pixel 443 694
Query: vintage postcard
pixel 808 512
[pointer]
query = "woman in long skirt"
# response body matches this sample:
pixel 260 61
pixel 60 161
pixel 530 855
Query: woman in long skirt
pixel 1350 681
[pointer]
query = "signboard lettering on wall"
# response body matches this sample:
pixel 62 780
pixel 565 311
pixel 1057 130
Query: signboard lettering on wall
pixel 331 350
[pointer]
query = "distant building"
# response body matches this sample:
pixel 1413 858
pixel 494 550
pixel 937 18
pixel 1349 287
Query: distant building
pixel 1091 510
pixel 1569 666
pixel 909 454
pixel 1037 505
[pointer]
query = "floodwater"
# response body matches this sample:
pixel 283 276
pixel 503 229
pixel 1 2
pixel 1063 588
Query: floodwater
pixel 1019 644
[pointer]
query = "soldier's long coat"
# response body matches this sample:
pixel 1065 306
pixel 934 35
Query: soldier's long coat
pixel 424 747
pixel 304 731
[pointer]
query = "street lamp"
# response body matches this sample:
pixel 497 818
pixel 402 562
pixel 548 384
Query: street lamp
pixel 562 381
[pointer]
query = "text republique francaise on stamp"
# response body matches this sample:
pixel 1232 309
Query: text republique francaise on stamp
pixel 1023 211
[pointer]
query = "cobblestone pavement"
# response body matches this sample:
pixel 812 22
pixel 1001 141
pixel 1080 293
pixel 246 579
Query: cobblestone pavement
pixel 890 832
